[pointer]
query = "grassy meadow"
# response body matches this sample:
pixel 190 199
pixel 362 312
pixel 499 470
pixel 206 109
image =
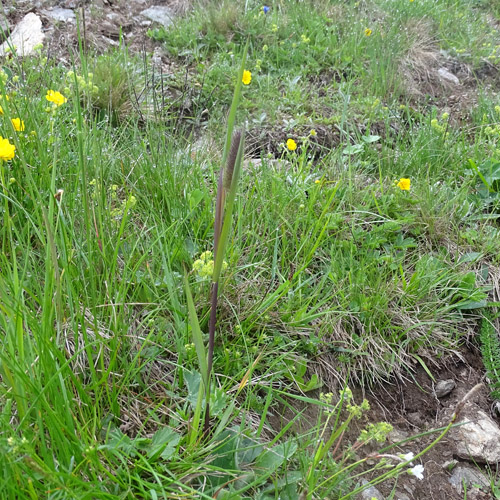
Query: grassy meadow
pixel 364 241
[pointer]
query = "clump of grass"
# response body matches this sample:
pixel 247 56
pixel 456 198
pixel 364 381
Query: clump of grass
pixel 221 19
pixel 490 351
pixel 113 86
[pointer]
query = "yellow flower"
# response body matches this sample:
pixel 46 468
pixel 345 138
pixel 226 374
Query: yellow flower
pixel 291 144
pixel 247 77
pixel 1 110
pixel 56 97
pixel 206 256
pixel 132 201
pixel 313 133
pixel 404 184
pixel 204 266
pixel 7 149
pixel 368 31
pixel 18 124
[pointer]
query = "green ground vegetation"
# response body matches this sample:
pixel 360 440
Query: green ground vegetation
pixel 364 241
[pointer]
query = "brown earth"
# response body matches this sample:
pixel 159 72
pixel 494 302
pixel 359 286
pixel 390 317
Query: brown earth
pixel 413 408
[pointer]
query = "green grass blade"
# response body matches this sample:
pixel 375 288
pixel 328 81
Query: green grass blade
pixel 234 105
pixel 197 335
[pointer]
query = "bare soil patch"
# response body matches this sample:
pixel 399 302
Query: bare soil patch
pixel 412 408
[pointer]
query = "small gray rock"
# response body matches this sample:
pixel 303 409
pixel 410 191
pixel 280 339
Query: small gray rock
pixel 415 418
pixel 401 496
pixel 478 438
pixel 159 14
pixel 444 387
pixel 60 15
pixel 370 493
pixel 449 465
pixel 397 435
pixel 448 77
pixel 468 476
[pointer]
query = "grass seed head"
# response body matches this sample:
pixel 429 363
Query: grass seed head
pixel 231 159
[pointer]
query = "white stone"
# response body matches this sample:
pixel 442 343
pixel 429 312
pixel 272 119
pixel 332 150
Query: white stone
pixel 159 14
pixel 448 77
pixel 478 438
pixel 25 37
pixel 59 14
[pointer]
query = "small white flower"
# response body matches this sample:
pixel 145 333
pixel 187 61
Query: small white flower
pixel 408 457
pixel 417 471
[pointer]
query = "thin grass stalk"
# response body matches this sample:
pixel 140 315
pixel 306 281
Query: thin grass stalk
pixel 226 192
pixel 228 181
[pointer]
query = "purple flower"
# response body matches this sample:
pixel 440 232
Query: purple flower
pixel 265 9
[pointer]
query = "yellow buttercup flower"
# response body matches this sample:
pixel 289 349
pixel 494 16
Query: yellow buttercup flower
pixel 7 150
pixel 313 133
pixel 247 77
pixel 404 184
pixel 56 97
pixel 18 124
pixel 291 144
pixel 1 110
pixel 368 32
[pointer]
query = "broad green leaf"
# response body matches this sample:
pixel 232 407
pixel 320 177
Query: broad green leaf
pixel 470 257
pixel 273 458
pixel 352 149
pixel 193 381
pixel 195 197
pixel 370 138
pixel 163 443
pixel 314 383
